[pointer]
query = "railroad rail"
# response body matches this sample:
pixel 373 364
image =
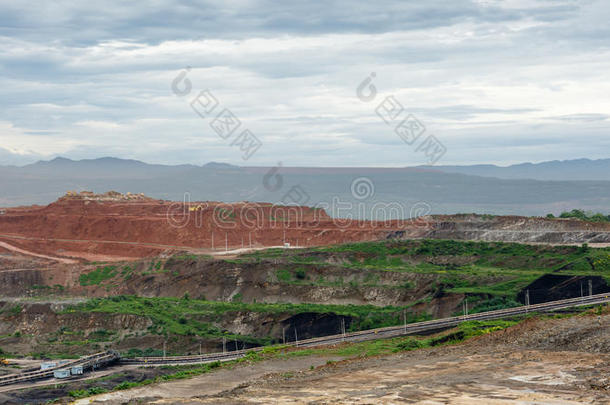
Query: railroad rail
pixel 387 332
pixel 87 362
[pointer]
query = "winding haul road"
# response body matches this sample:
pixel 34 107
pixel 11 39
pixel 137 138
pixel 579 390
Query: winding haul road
pixel 100 359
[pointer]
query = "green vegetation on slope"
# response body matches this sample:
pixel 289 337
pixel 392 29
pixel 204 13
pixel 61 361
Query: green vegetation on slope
pixel 583 215
pixel 182 316
pixel 490 274
pixel 496 269
pixel 485 269
pixel 98 275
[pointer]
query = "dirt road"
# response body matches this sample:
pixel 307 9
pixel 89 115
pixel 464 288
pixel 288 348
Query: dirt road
pixel 557 361
pixel 28 253
pixel 209 384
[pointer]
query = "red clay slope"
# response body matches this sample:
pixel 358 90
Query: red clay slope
pixel 89 226
pixel 113 226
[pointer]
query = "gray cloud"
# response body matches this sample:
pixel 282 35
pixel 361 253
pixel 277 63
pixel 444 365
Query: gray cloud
pixel 77 23
pixel 581 117
pixel 87 80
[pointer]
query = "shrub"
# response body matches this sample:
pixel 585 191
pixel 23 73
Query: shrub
pixel 87 393
pixel 125 385
pixel 283 275
pixel 410 344
pixel 300 274
pixel 584 216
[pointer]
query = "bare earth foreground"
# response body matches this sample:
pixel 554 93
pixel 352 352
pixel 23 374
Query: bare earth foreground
pixel 555 361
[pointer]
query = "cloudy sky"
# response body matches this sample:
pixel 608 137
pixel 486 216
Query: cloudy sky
pixel 493 81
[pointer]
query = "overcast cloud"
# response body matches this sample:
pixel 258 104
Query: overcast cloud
pixel 495 81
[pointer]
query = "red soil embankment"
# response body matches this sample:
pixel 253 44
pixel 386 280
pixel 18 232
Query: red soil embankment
pixel 90 227
pixel 113 226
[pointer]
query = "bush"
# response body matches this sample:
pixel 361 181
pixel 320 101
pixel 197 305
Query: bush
pixel 14 310
pixel 125 385
pixel 410 344
pixel 494 304
pixel 584 216
pixel 602 264
pixel 283 275
pixel 87 393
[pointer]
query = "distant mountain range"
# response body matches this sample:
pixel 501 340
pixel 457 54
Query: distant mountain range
pixel 552 187
pixel 579 169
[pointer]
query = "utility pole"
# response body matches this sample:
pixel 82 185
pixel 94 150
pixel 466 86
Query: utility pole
pixel 226 242
pixel 527 300
pixel 250 236
pixel 224 344
pixel 343 328
pixel 283 335
pixel 296 338
pixel 404 316
pixel 212 240
pixel 242 242
pixel 200 348
pixel 236 347
pixel 590 287
pixel 164 350
pixel 465 307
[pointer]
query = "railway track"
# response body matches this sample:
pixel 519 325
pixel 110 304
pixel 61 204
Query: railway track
pixel 387 332
pixel 102 358
pixel 87 362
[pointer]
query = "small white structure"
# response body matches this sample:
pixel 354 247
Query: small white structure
pixel 286 245
pixel 2 212
pixel 76 370
pixel 47 365
pixel 62 373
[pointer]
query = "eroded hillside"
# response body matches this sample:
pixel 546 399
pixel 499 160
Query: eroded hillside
pixel 254 298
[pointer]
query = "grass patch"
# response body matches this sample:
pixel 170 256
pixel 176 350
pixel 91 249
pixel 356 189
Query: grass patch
pixel 184 316
pixel 98 275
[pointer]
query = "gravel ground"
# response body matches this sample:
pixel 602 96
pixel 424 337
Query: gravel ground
pixel 551 362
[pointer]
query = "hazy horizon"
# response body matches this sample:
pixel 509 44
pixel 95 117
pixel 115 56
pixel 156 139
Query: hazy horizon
pixel 263 165
pixel 498 82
